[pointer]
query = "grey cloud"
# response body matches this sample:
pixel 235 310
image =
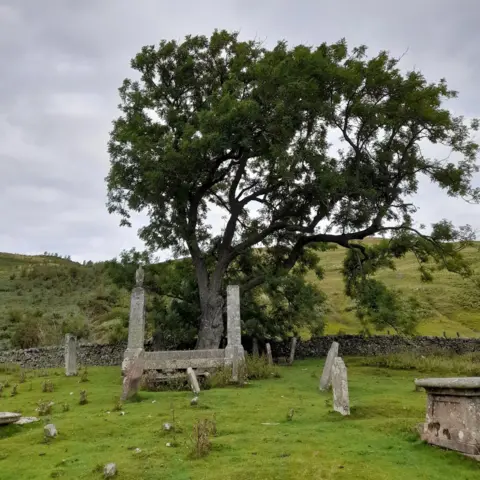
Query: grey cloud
pixel 63 60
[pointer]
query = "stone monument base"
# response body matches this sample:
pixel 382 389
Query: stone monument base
pixel 453 414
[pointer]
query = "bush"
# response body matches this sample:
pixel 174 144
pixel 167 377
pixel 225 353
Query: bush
pixel 440 363
pixel 44 407
pixel 202 431
pixel 27 334
pixel 254 368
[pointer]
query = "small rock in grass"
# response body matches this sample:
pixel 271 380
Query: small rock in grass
pixel 194 401
pixel 110 470
pixel 167 426
pixel 50 430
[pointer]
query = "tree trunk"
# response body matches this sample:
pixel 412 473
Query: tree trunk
pixel 211 322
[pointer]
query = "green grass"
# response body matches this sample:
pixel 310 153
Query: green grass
pixel 377 442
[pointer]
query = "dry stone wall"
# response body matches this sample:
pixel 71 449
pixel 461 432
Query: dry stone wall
pixel 108 355
pixel 356 345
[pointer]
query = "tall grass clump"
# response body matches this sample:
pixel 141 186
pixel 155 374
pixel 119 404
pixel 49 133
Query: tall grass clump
pixel 442 363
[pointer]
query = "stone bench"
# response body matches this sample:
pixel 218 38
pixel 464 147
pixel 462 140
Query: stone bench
pixel 453 413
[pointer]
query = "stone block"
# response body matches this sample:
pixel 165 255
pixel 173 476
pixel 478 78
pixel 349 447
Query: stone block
pixel 453 413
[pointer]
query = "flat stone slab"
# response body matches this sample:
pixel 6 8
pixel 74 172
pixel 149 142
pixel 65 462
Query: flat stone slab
pixel 26 420
pixel 461 383
pixel 8 417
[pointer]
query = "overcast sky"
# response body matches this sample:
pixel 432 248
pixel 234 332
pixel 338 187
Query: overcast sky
pixel 63 60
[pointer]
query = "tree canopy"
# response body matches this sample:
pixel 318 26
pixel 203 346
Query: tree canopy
pixel 232 125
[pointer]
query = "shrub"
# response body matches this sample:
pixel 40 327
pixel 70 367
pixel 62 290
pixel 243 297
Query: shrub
pixel 44 407
pixel 27 334
pixel 202 431
pixel 440 363
pixel 83 397
pixel 47 386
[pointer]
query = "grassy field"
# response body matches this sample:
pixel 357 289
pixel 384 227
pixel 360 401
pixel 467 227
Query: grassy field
pixel 65 296
pixel 377 442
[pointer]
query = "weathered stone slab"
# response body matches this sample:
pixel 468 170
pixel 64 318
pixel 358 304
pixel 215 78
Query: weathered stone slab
pixel 8 417
pixel 236 361
pixel 326 378
pixel 192 380
pixel 26 420
pixel 136 323
pixel 234 324
pixel 132 368
pixel 50 430
pixel 341 400
pixel 453 413
pixel 70 355
pixel 293 347
pixel 269 353
pixel 182 359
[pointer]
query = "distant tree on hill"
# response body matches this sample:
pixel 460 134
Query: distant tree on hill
pixel 219 122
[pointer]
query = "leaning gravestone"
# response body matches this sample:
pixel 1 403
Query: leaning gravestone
pixel 70 355
pixel 269 353
pixel 341 401
pixel 326 379
pixel 192 380
pixel 133 367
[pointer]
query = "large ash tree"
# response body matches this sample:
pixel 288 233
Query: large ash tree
pixel 219 122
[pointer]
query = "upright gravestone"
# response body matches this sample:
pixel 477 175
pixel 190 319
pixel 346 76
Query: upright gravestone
pixel 293 347
pixel 136 322
pixel 341 401
pixel 234 325
pixel 326 379
pixel 269 353
pixel 70 355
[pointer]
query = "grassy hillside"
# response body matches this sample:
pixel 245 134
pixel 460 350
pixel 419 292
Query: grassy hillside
pixel 48 296
pixel 450 304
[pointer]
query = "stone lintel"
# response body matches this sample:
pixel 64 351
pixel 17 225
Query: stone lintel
pixel 454 383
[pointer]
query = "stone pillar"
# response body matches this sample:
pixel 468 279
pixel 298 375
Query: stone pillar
pixel 136 322
pixel 236 365
pixel 234 325
pixel 70 355
pixel 293 347
pixel 341 399
pixel 269 353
